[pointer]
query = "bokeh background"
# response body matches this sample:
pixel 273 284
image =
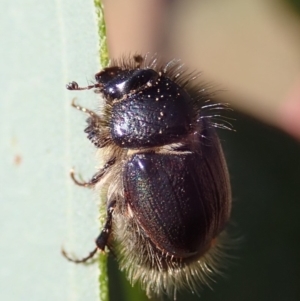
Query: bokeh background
pixel 249 49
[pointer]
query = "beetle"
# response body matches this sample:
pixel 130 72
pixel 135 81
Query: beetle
pixel 168 190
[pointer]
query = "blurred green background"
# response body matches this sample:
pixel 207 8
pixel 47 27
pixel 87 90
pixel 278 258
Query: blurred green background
pixel 295 4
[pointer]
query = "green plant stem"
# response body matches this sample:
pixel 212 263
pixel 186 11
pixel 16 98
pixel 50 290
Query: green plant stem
pixel 104 60
pixel 103 278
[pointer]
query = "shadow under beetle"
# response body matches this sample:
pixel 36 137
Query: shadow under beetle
pixel 168 191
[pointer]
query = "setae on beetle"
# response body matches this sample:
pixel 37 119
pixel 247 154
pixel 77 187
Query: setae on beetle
pixel 168 190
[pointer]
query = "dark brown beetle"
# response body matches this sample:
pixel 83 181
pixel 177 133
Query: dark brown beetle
pixel 168 190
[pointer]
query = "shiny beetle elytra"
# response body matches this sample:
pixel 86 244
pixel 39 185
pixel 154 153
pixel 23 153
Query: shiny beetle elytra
pixel 168 191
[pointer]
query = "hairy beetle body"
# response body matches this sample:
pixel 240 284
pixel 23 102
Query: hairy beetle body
pixel 168 191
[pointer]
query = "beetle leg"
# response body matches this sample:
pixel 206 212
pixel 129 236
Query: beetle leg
pixel 94 126
pixel 101 240
pixel 96 177
pixel 84 259
pixel 80 108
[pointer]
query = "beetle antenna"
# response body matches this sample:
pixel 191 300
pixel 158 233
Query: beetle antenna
pixel 75 86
